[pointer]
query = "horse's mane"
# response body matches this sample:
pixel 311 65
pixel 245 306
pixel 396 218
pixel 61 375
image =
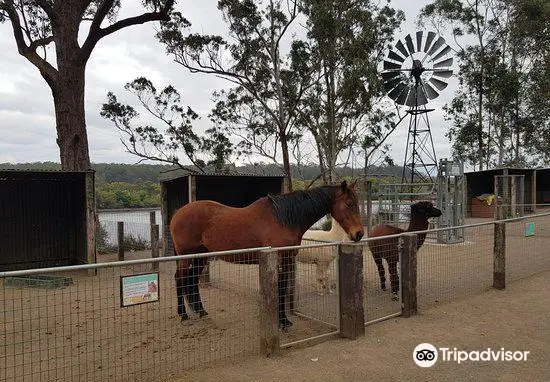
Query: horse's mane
pixel 302 208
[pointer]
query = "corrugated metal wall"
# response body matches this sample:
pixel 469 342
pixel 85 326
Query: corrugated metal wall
pixel 42 219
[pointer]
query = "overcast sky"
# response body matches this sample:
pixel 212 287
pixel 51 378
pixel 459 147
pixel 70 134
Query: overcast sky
pixel 27 123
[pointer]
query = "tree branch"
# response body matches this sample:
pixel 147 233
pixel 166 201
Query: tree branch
pixel 96 32
pixel 41 42
pixel 46 69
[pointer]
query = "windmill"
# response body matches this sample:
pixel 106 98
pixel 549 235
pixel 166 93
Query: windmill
pixel 414 74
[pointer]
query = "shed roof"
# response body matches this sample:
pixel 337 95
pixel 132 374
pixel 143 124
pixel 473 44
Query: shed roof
pixel 184 172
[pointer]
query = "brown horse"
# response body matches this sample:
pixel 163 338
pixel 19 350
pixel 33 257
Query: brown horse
pixel 388 248
pixel 275 221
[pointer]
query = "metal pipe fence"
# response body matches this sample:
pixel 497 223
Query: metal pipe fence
pixel 316 293
pixel 65 325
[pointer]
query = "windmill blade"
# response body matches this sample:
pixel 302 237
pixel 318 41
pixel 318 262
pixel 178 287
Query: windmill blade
pixel 430 92
pixel 421 98
pixel 411 98
pixel 402 48
pixel 395 92
pixel 386 76
pixel 444 63
pixel 416 97
pixel 391 65
pixel 394 56
pixel 438 44
pixel 429 39
pixel 443 52
pixel 402 98
pixel 419 41
pixel 442 73
pixel 390 84
pixel 409 42
pixel 440 85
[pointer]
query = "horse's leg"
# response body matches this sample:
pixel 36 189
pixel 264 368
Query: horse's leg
pixel 181 289
pixel 381 272
pixel 283 279
pixel 394 276
pixel 197 265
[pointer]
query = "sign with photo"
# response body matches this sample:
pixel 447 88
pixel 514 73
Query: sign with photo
pixel 139 289
pixel 530 229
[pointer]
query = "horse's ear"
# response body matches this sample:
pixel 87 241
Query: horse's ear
pixel 344 185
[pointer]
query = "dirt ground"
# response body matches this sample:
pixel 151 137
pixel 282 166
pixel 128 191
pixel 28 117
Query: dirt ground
pixel 81 332
pixel 516 319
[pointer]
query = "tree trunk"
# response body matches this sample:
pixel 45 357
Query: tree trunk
pixel 68 90
pixel 286 162
pixel 68 96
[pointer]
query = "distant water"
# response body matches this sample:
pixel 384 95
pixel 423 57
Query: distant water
pixel 136 223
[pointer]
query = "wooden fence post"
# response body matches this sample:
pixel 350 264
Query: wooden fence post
pixel 120 231
pixel 408 264
pixel 351 293
pixel 499 256
pixel 154 228
pixel 155 244
pixel 269 303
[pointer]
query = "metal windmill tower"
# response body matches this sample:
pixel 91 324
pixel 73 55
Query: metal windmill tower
pixel 414 73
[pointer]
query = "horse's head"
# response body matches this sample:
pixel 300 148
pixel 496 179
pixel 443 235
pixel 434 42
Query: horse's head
pixel 346 211
pixel 425 209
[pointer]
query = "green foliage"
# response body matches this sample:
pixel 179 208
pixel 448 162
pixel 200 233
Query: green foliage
pixel 501 112
pixel 260 109
pixel 127 195
pixel 152 143
pixel 346 40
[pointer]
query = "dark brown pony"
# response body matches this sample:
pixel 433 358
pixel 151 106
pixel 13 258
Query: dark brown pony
pixel 388 248
pixel 275 220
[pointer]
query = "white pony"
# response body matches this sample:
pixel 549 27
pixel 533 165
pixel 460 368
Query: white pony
pixel 322 257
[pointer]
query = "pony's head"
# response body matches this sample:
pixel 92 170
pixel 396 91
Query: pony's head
pixel 346 211
pixel 425 210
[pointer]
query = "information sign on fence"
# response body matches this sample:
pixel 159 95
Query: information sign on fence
pixel 530 229
pixel 139 289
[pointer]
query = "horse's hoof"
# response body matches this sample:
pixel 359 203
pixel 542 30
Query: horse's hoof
pixel 184 317
pixel 384 288
pixel 394 297
pixel 203 313
pixel 284 324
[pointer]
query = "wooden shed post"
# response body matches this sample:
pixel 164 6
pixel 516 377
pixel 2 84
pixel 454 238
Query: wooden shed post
pixel 409 305
pixel 269 303
pixel 499 256
pixel 351 292
pixel 164 216
pixel 91 218
pixel 120 235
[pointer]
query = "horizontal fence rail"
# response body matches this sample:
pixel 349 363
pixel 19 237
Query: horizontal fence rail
pixel 71 324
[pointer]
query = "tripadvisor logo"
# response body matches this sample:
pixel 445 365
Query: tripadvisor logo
pixel 426 355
